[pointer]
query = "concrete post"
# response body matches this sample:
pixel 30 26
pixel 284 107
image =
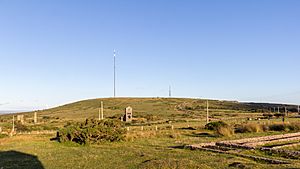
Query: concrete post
pixel 102 111
pixel 13 123
pixel 35 118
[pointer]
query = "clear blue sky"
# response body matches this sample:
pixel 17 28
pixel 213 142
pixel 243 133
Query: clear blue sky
pixel 58 51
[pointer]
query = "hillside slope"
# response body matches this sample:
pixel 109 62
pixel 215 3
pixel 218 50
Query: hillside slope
pixel 163 107
pixel 148 110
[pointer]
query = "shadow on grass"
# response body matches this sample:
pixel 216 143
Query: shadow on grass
pixel 177 147
pixel 187 128
pixel 16 160
pixel 201 135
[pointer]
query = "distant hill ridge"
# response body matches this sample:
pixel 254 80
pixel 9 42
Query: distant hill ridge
pixel 9 111
pixel 114 107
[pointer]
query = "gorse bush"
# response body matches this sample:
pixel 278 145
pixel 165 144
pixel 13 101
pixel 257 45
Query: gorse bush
pixel 285 127
pixel 295 126
pixel 2 135
pixel 278 127
pixel 278 115
pixel 255 128
pixel 215 125
pixel 92 132
pixel 21 127
pixel 221 128
pixel 249 128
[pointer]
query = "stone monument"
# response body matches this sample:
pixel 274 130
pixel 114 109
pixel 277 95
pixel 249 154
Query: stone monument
pixel 128 114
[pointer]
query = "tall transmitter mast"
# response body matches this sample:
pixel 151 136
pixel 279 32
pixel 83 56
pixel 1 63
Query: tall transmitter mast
pixel 114 73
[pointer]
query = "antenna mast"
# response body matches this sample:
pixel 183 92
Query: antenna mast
pixel 114 73
pixel 207 110
pixel 170 92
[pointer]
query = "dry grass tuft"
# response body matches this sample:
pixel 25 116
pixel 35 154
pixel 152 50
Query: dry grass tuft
pixel 134 135
pixel 249 128
pixel 226 131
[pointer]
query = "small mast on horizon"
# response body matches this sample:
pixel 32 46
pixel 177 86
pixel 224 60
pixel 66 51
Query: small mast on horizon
pixel 114 73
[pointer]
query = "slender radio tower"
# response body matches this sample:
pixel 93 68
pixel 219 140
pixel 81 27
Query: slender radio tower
pixel 207 110
pixel 170 91
pixel 114 73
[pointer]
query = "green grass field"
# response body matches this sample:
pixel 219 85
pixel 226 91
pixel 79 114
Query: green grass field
pixel 162 150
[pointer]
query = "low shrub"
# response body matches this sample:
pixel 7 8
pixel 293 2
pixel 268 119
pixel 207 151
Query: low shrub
pixel 92 132
pixel 285 127
pixel 46 117
pixel 221 128
pixel 215 125
pixel 278 115
pixel 21 127
pixel 278 127
pixel 248 128
pixel 151 117
pixel 255 128
pixel 265 127
pixel 294 126
pixel 268 115
pixel 3 135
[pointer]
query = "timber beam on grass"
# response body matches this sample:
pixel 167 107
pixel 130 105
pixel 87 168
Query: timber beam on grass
pixel 253 144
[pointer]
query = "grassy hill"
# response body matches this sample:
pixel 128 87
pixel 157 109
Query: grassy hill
pixel 155 106
pixel 151 110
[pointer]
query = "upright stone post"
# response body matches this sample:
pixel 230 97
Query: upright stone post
pixel 102 111
pixel 13 123
pixel 35 118
pixel 128 114
pixel 20 118
pixel 99 113
pixel 286 111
